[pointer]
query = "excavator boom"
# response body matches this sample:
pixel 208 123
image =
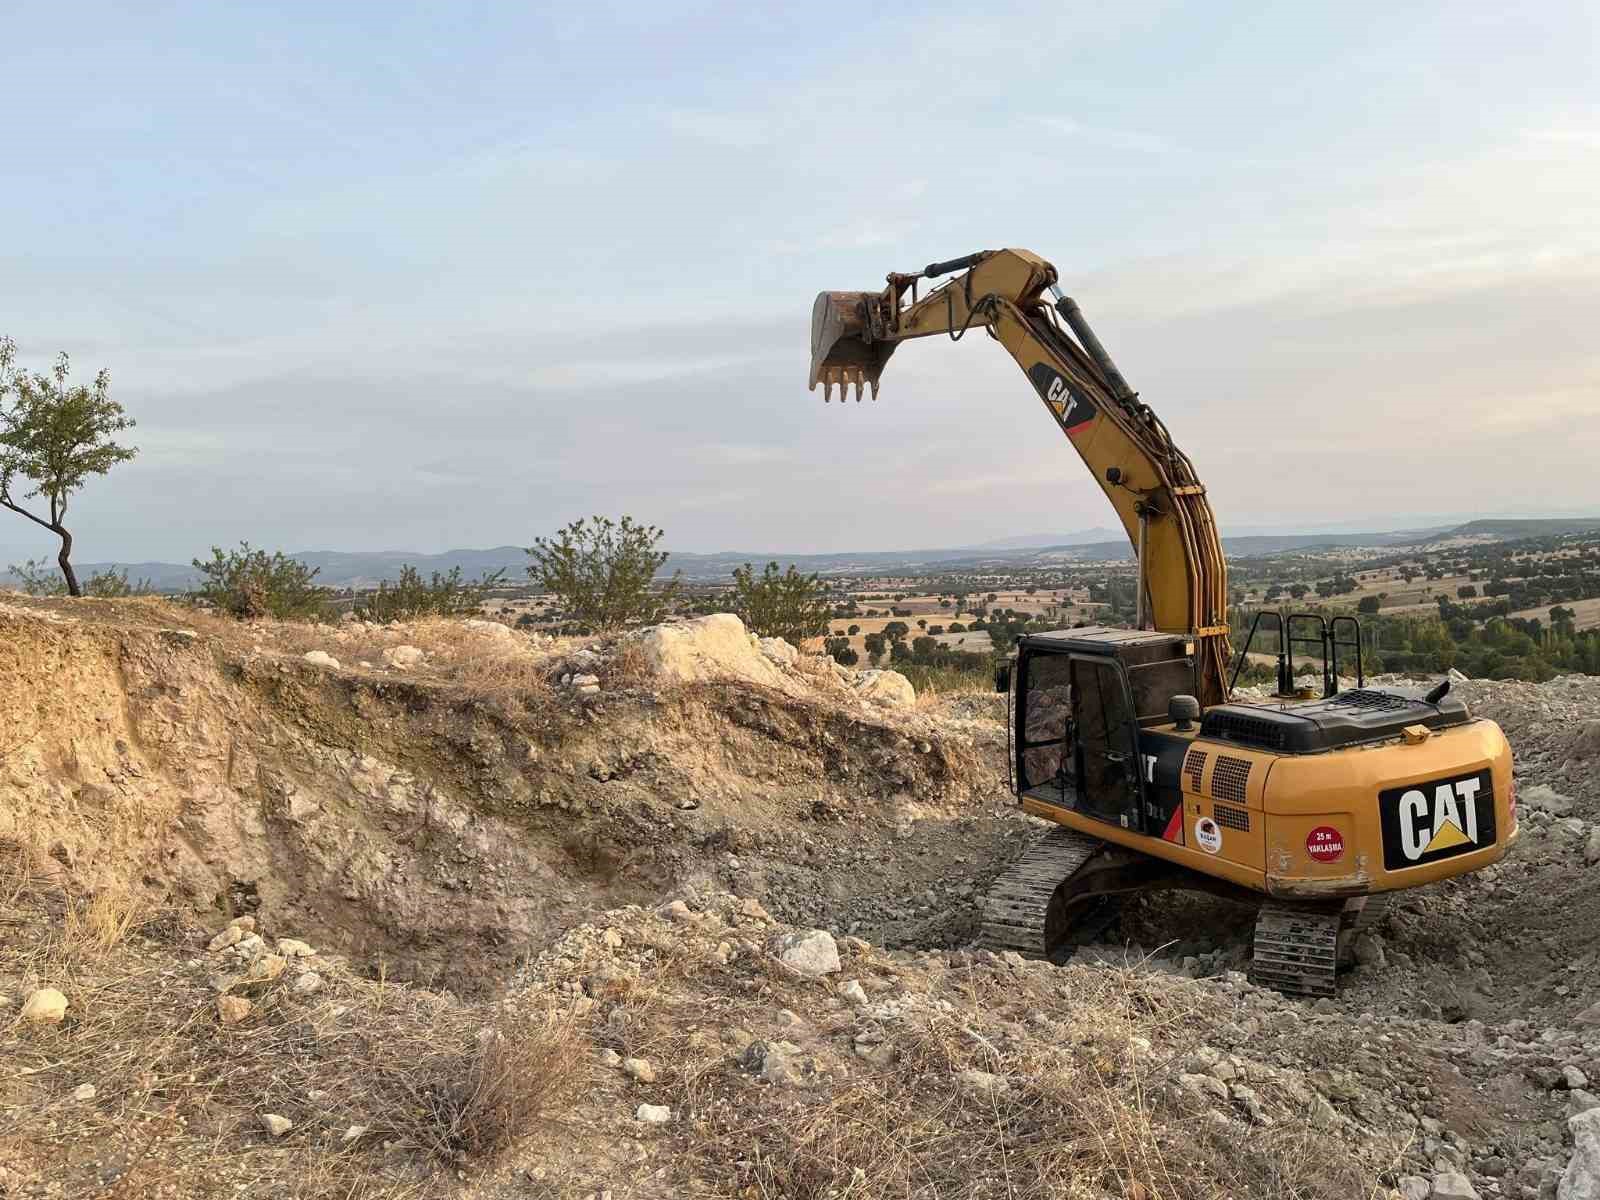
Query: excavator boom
pixel 1152 485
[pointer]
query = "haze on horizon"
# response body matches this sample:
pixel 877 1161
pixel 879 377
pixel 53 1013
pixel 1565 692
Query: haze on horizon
pixel 376 277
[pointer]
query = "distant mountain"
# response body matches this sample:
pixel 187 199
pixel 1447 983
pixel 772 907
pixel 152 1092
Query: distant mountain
pixel 363 569
pixel 1040 541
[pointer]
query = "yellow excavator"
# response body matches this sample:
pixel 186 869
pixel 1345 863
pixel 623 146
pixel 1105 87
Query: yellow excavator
pixel 1317 803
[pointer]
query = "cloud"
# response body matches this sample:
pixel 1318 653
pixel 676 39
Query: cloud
pixel 1107 137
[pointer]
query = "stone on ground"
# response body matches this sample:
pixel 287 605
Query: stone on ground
pixel 402 657
pixel 640 1069
pixel 888 688
pixel 45 1006
pixel 653 1114
pixel 233 1009
pixel 713 647
pixel 1581 1180
pixel 321 658
pixel 1452 1185
pixel 275 1125
pixel 812 953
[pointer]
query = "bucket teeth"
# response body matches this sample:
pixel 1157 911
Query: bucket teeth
pixel 848 381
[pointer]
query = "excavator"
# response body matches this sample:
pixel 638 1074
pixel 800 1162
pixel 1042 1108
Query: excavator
pixel 1315 805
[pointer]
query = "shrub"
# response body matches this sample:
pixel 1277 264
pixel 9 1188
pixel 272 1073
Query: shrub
pixel 789 605
pixel 248 583
pixel 604 572
pixel 39 578
pixel 445 595
pixel 840 649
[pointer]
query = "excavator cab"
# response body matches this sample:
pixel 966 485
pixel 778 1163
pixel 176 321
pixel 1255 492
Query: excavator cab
pixel 1085 699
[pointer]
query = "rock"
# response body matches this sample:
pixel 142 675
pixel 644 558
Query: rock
pixel 588 685
pixel 814 953
pixel 233 1009
pixel 778 651
pixel 307 983
pixel 1203 1087
pixel 888 688
pixel 275 1125
pixel 84 1091
pixel 1247 1099
pixel 1543 798
pixel 231 936
pixel 321 658
pixel 250 945
pixel 1589 1016
pixel 1585 743
pixel 1452 1185
pixel 751 907
pixel 678 911
pixel 775 1062
pixel 1579 1100
pixel 1581 1179
pixel 294 948
pixel 1456 676
pixel 1574 1078
pixel 45 1006
pixel 1369 951
pixel 265 969
pixel 713 647
pixel 491 629
pixel 639 1069
pixel 982 1083
pixel 402 657
pixel 611 1058
pixel 354 1134
pixel 1414 1187
pixel 1591 849
pixel 652 1114
pixel 852 991
pixel 246 923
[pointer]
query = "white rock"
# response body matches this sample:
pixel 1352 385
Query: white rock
pixel 1574 1078
pixel 611 1058
pixel 1579 1101
pixel 814 953
pixel 45 1006
pixel 1452 1185
pixel 713 647
pixel 84 1091
pixel 354 1134
pixel 1456 676
pixel 779 651
pixel 653 1114
pixel 294 948
pixel 1591 850
pixel 1581 1179
pixel 888 688
pixel 275 1125
pixel 493 629
pixel 402 657
pixel 246 923
pixel 852 991
pixel 231 936
pixel 1414 1187
pixel 321 658
pixel 308 983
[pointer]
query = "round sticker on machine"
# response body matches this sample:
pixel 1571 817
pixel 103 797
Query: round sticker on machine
pixel 1325 844
pixel 1208 835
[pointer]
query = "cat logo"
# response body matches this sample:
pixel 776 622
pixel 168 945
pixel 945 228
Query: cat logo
pixel 1426 822
pixel 1073 409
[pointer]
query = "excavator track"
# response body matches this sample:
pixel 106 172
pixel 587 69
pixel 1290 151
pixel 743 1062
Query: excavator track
pixel 1297 949
pixel 1016 908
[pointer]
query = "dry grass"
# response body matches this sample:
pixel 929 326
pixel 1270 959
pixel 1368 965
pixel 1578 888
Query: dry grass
pixel 434 1084
pixel 1087 1108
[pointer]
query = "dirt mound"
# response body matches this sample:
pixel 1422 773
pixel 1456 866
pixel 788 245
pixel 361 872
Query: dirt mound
pixel 449 799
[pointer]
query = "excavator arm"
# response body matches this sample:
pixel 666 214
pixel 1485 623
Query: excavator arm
pixel 1150 482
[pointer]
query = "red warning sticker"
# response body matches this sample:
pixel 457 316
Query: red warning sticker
pixel 1325 844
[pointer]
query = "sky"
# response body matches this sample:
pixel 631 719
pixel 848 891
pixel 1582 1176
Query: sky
pixel 405 276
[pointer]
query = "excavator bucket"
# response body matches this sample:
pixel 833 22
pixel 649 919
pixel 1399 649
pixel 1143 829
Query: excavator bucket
pixel 843 353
